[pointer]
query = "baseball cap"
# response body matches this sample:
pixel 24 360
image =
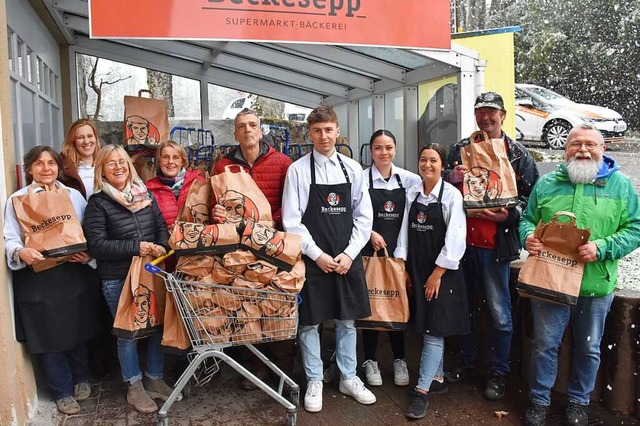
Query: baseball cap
pixel 489 100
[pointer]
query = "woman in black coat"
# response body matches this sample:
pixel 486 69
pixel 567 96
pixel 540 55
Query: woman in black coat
pixel 122 220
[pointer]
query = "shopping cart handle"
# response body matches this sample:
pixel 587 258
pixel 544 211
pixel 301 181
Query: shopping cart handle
pixel 152 266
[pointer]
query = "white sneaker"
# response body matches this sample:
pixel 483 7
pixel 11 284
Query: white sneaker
pixel 372 372
pixel 313 396
pixel 355 388
pixel 400 373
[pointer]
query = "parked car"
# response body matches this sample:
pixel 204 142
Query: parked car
pixel 545 116
pixel 291 112
pixel 235 106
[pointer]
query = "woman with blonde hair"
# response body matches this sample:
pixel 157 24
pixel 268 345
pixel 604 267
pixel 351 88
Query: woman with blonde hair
pixel 172 182
pixel 122 220
pixel 79 152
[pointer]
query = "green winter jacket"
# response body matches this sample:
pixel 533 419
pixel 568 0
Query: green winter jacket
pixel 608 207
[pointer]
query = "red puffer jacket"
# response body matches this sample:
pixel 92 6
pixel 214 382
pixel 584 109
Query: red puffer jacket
pixel 169 206
pixel 269 171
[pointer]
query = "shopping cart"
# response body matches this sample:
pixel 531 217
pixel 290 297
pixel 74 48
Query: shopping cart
pixel 219 316
pixel 199 145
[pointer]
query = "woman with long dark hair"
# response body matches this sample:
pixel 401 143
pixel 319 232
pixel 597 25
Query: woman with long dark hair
pixel 387 184
pixel 55 308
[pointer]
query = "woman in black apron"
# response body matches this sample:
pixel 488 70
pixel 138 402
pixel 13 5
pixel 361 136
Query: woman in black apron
pixel 55 309
pixel 434 234
pixel 387 188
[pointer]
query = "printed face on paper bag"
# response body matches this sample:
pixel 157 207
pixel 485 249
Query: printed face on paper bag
pixel 143 299
pixel 262 234
pixel 200 213
pixel 478 182
pixel 191 232
pixel 238 207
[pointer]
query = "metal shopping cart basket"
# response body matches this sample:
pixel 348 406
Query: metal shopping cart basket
pixel 218 316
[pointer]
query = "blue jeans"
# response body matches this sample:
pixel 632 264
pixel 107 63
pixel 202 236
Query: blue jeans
pixel 587 321
pixel 62 370
pixel 128 348
pixel 430 360
pixel 346 357
pixel 481 269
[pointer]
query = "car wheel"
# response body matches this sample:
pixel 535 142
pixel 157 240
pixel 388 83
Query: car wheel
pixel 555 134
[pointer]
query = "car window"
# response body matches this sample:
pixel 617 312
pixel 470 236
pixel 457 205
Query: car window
pixel 520 94
pixel 238 103
pixel 546 94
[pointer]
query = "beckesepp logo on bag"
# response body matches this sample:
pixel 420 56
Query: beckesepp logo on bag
pixel 50 221
pixel 564 261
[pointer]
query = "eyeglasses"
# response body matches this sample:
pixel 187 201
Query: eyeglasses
pixel 167 158
pixel 591 145
pixel 113 164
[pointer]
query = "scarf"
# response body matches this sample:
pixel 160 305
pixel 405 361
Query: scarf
pixel 174 183
pixel 133 197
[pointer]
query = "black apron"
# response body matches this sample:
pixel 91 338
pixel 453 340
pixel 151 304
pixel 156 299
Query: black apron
pixel 447 315
pixel 56 309
pixel 329 219
pixel 388 207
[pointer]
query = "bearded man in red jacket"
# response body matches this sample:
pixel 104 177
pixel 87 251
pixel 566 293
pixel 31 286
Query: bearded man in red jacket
pixel 268 168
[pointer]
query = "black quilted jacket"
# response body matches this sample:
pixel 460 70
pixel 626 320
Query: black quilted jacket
pixel 114 234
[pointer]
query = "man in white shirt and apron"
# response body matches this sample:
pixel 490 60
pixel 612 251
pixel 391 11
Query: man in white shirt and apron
pixel 326 201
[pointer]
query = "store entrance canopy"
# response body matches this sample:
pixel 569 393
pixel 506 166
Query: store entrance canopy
pixel 303 74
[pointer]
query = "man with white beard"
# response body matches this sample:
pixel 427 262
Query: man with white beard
pixel 589 185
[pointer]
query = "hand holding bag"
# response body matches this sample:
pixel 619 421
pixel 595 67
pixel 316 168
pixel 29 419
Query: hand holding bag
pixel 387 285
pixel 50 225
pixel 239 194
pixel 555 273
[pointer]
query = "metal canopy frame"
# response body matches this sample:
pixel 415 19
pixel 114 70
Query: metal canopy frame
pixel 305 74
pixel 302 74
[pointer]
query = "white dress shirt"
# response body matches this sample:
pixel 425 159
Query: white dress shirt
pixel 86 175
pixel 295 199
pixel 455 241
pixel 13 237
pixel 407 178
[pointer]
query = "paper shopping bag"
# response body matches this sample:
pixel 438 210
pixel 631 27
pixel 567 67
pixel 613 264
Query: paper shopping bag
pixel 489 182
pixel 49 223
pixel 142 302
pixel 197 207
pixel 282 249
pixel 174 334
pixel 555 273
pixel 238 193
pixel 291 281
pixel 146 121
pixel 197 238
pixel 387 285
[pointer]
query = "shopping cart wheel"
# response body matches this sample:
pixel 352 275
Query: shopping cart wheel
pixel 294 397
pixel 163 420
pixel 292 417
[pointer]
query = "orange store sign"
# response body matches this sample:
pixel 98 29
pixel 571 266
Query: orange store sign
pixel 398 23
